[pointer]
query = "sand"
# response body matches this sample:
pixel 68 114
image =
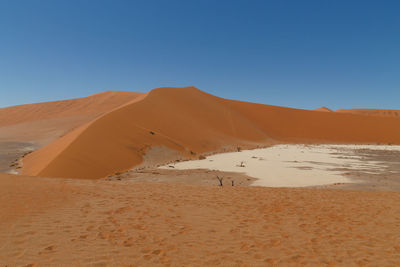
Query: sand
pixel 36 125
pixel 102 223
pixel 10 152
pixel 153 217
pixel 198 177
pixel 43 123
pixel 193 123
pixel 91 105
pixel 372 112
pixel 290 165
pixel 323 109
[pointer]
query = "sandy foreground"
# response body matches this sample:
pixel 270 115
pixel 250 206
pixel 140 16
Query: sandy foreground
pixel 116 223
pixel 293 165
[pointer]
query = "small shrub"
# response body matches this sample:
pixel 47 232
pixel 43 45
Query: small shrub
pixel 220 180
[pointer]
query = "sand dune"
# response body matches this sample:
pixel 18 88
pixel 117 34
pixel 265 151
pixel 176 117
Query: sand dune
pixel 91 105
pixel 192 122
pixel 44 122
pixel 57 222
pixel 295 125
pixel 323 109
pixel 121 222
pixel 182 119
pixel 372 112
pixel 36 125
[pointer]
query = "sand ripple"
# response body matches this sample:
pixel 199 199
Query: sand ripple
pixel 143 224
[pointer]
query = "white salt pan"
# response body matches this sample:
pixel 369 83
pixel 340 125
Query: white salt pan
pixel 290 165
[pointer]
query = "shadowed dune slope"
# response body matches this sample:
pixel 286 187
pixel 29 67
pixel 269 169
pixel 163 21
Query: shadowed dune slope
pixel 372 112
pixel 189 120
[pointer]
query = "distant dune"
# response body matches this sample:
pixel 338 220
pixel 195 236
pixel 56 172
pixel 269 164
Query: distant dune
pixel 92 105
pixel 372 112
pixel 44 122
pixel 323 109
pixel 192 122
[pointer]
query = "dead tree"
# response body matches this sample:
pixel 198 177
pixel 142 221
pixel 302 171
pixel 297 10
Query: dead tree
pixel 220 180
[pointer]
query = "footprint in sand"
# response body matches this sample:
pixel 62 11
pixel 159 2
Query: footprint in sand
pixel 48 249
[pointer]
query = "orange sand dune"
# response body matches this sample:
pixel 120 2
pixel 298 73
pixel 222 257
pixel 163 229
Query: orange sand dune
pixel 295 125
pixel 57 222
pixel 94 104
pixel 44 122
pixel 190 121
pixel 372 112
pixel 182 119
pixel 323 109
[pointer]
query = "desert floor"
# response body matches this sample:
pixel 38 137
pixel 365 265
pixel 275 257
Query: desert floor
pixel 169 217
pixel 293 165
pixel 102 223
pixel 373 168
pixel 10 152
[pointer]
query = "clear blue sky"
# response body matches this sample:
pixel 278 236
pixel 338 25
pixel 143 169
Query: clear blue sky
pixel 303 54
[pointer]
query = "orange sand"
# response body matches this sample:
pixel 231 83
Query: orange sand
pixel 100 223
pixel 372 112
pixel 44 122
pixel 193 122
pixel 64 222
pixel 323 109
pixel 94 104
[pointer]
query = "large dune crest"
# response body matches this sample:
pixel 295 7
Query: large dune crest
pixel 182 119
pixel 191 122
